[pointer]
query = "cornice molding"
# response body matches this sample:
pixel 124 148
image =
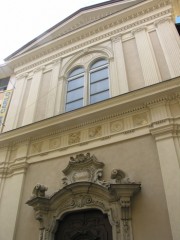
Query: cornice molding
pixel 166 131
pixel 106 36
pixel 10 169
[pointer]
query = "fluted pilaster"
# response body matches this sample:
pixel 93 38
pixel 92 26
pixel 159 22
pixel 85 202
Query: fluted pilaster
pixel 147 58
pixel 170 45
pixel 120 82
pixel 33 96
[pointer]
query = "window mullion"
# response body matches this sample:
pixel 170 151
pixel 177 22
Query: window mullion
pixel 86 90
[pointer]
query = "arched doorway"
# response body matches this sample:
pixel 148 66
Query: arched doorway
pixel 84 225
pixel 71 212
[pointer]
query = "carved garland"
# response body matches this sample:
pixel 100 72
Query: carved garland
pixel 84 188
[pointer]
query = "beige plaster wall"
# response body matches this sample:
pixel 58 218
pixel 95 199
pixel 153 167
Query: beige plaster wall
pixel 9 206
pixel 138 158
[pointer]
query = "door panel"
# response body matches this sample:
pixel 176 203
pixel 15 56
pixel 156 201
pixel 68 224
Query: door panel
pixel 85 225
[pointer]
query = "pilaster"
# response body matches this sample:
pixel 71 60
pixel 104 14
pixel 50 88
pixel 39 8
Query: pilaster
pixel 170 45
pixel 168 151
pixel 147 58
pixel 120 76
pixel 13 179
pixel 60 99
pixel 15 106
pixel 53 89
pixel 33 96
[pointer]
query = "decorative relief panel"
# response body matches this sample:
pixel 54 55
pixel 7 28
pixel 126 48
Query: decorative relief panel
pixel 117 126
pixel 83 201
pixel 86 191
pixel 74 138
pixel 85 135
pixel 36 147
pixel 140 119
pixel 95 132
pixel 54 143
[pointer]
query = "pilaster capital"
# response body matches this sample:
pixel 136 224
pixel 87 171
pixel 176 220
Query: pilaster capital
pixel 116 38
pixel 85 50
pixel 139 29
pixel 167 131
pixel 38 69
pixel 56 61
pixel 23 75
pixel 162 20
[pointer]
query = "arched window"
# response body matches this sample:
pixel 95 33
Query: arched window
pixel 99 81
pixel 75 89
pixel 87 87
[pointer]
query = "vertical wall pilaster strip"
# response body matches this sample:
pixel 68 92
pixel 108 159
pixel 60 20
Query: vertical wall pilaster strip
pixel 33 96
pixel 12 192
pixel 51 102
pixel 120 68
pixel 60 99
pixel 169 162
pixel 147 58
pixel 170 45
pixel 15 106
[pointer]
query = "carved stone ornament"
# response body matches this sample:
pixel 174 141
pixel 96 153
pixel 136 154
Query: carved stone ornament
pixel 84 168
pixel 39 190
pixel 84 189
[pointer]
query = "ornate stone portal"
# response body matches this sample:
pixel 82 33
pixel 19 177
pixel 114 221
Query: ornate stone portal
pixel 85 189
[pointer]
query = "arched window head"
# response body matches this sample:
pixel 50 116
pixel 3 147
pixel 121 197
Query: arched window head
pixel 87 87
pixel 75 89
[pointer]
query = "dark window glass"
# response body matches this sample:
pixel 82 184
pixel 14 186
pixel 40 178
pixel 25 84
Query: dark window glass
pixel 76 83
pixel 99 97
pixel 74 105
pixel 99 86
pixel 99 63
pixel 3 83
pixel 76 72
pixel 75 89
pixel 99 81
pixel 74 95
pixel 99 74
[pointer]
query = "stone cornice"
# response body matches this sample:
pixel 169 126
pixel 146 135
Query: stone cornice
pixel 95 114
pixel 165 131
pixel 10 169
pixel 117 21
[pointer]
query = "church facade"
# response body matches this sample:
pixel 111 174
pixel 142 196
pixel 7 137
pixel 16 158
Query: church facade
pixel 90 127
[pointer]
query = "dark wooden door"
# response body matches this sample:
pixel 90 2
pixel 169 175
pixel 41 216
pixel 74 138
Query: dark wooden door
pixel 85 225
